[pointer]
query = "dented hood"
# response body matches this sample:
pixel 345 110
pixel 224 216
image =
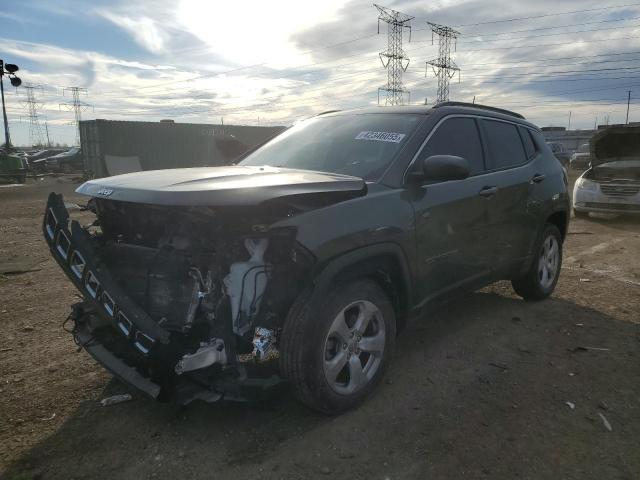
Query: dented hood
pixel 218 186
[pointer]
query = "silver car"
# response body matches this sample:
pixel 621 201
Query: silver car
pixel 612 184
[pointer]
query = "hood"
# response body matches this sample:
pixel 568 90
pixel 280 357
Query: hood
pixel 615 144
pixel 219 186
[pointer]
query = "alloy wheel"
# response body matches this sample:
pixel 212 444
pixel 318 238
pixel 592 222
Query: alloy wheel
pixel 549 261
pixel 354 347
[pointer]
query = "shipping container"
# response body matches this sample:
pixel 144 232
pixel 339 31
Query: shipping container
pixel 111 147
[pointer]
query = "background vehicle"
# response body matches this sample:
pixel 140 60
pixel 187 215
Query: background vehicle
pixel 612 184
pixel 37 159
pixel 303 261
pixel 560 153
pixel 12 167
pixel 581 158
pixel 67 162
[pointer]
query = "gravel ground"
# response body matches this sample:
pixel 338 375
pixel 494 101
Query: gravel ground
pixel 488 387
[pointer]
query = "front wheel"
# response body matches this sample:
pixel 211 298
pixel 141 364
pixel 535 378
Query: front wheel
pixel 335 356
pixel 541 279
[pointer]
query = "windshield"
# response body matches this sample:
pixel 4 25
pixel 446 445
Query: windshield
pixel 362 145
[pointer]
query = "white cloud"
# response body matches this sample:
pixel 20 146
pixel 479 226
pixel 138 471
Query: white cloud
pixel 144 30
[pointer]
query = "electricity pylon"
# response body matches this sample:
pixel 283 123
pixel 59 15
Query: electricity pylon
pixel 443 67
pixel 77 106
pixel 396 60
pixel 35 129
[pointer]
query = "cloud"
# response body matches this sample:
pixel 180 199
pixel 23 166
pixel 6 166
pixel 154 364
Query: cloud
pixel 144 30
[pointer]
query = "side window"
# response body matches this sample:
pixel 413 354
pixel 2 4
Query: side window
pixel 459 137
pixel 529 146
pixel 505 147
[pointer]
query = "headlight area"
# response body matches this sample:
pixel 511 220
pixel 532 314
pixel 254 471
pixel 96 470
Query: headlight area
pixel 585 184
pixel 180 304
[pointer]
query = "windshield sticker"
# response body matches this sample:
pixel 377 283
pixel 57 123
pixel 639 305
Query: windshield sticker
pixel 381 136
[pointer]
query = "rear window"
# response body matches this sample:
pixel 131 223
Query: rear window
pixel 529 146
pixel 505 146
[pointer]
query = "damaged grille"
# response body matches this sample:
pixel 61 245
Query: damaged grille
pixel 619 190
pixel 72 250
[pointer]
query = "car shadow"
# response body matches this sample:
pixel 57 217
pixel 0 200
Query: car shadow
pixel 479 386
pixel 629 223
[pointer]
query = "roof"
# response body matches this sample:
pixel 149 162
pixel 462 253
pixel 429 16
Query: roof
pixel 447 107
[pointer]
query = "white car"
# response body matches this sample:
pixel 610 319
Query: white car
pixel 612 184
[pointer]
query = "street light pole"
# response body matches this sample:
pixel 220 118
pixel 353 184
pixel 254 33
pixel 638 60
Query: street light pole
pixel 10 69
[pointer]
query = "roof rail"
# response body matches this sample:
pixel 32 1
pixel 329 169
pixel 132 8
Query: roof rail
pixel 483 107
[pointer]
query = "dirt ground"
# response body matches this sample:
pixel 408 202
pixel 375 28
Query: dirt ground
pixel 488 387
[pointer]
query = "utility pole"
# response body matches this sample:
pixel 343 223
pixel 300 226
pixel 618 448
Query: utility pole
pixel 77 106
pixel 46 127
pixel 569 120
pixel 10 70
pixel 394 58
pixel 35 129
pixel 628 103
pixel 443 67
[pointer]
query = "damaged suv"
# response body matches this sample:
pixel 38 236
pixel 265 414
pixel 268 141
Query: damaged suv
pixel 301 262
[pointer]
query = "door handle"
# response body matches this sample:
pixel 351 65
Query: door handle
pixel 537 178
pixel 488 191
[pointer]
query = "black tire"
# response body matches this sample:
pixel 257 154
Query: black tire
pixel 531 286
pixel 578 214
pixel 305 337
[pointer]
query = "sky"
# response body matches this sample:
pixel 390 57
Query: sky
pixel 273 63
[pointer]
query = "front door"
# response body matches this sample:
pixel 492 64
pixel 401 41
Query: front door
pixel 450 217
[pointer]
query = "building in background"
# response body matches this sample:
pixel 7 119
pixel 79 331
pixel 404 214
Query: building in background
pixel 114 147
pixel 573 139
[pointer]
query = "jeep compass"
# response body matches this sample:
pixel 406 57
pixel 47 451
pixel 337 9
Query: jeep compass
pixel 302 262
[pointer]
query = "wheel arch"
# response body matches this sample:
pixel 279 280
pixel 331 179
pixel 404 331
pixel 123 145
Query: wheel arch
pixel 384 263
pixel 560 219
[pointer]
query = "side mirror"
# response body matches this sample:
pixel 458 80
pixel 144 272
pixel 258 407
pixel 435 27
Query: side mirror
pixel 442 168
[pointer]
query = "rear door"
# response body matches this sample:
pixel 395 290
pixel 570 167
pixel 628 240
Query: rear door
pixel 450 217
pixel 509 175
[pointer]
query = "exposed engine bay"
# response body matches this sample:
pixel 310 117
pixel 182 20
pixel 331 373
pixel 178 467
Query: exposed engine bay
pixel 196 296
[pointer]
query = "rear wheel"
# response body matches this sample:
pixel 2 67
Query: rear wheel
pixel 541 279
pixel 335 356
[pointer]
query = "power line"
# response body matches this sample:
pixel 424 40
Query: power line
pixel 546 15
pixel 396 60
